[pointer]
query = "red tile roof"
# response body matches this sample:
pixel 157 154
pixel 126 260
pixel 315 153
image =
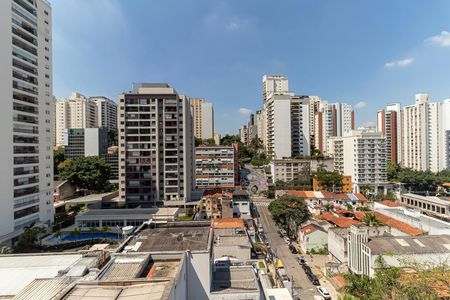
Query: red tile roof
pixel 308 229
pixel 399 225
pixel 227 223
pixel 338 221
pixel 389 203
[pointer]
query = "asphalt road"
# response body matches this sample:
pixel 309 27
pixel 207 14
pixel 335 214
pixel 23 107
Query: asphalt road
pixel 303 287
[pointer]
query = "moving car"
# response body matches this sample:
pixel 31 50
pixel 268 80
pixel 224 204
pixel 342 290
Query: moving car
pixel 324 293
pixel 307 269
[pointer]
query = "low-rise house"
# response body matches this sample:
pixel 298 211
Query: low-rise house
pixel 312 237
pixel 241 204
pixel 338 221
pixel 63 190
pixel 323 198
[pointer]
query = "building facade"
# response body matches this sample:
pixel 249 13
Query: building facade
pixel 156 146
pixel 203 113
pixel 77 111
pixel 274 84
pixel 26 116
pixel 290 169
pixel 287 126
pixel 361 155
pixel 389 122
pixel 216 167
pixel 435 206
pixel 422 135
pixel 85 142
pixel 106 113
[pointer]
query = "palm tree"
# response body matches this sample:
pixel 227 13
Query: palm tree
pixel 371 220
pixel 106 229
pixel 58 234
pixel 5 250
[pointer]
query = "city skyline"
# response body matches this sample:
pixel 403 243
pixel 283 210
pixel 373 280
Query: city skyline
pixel 213 55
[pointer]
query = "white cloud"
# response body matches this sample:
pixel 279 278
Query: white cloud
pixel 360 104
pixel 399 63
pixel 442 39
pixel 368 124
pixel 245 111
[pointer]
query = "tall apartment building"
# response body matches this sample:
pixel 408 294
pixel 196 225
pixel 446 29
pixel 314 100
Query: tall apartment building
pixel 446 130
pixel 287 126
pixel 330 120
pixel 261 127
pixel 106 113
pixel 422 135
pixel 26 129
pixel 156 146
pixel 361 155
pixel 77 111
pixel 274 84
pixel 216 167
pixel 203 113
pixel 389 122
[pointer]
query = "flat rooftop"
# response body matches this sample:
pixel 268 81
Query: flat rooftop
pixel 17 271
pixel 149 212
pixel 410 244
pixel 147 291
pixel 123 267
pixel 234 280
pixel 171 239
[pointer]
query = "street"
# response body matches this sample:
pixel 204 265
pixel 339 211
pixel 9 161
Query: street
pixel 303 287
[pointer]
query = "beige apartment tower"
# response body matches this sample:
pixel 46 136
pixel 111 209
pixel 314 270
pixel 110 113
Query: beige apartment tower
pixel 203 113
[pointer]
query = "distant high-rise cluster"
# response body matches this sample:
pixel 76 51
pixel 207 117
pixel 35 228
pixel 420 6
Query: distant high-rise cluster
pixel 417 135
pixel 290 125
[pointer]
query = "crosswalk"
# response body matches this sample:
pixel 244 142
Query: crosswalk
pixel 265 203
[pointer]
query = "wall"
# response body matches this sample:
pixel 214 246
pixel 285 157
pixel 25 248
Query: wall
pixel 337 246
pixel 198 274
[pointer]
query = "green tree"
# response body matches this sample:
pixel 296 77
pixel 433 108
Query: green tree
pixel 330 179
pixel 288 212
pixel 30 236
pixel 371 220
pixel 58 157
pixel 229 140
pixel 106 229
pixel 87 173
pixel 367 190
pixel 392 170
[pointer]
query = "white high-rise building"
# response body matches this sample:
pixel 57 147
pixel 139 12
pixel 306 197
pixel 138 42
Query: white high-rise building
pixel 106 113
pixel 274 84
pixel 423 135
pixel 446 130
pixel 361 155
pixel 261 127
pixel 77 111
pixel 287 126
pixel 26 115
pixel 203 113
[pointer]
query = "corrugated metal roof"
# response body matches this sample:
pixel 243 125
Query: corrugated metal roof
pixel 44 289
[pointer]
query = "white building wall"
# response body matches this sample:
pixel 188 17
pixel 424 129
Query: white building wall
pixel 26 115
pixel 282 128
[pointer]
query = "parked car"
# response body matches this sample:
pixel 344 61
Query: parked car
pixel 307 269
pixel 287 240
pixel 324 293
pixel 301 260
pixel 313 279
pixel 282 232
pixel 293 249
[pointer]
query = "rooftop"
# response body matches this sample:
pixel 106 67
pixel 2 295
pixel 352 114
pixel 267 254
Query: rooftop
pixel 234 280
pixel 327 195
pixel 147 291
pixel 399 225
pixel 172 239
pixel 124 267
pixel 410 245
pixel 389 203
pixel 17 271
pixel 436 200
pixel 310 229
pixel 338 221
pixel 148 212
pixel 227 223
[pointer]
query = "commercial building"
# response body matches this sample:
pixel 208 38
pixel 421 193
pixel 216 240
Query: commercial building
pixel 216 167
pixel 287 126
pixel 361 155
pixel 290 169
pixel 85 142
pixel 435 206
pixel 203 115
pixel 106 113
pixel 389 122
pixel 357 236
pixel 430 251
pixel 77 111
pixel 26 116
pixel 156 146
pixel 423 135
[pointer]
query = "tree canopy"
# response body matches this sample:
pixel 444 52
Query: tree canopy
pixel 58 157
pixel 329 179
pixel 288 212
pixel 87 173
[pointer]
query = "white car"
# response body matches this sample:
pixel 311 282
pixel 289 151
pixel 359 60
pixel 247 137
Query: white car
pixel 324 293
pixel 287 240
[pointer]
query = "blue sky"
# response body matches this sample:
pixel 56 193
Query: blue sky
pixel 367 53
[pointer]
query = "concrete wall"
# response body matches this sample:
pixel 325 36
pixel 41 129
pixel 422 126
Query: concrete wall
pixel 314 240
pixel 337 246
pixel 199 275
